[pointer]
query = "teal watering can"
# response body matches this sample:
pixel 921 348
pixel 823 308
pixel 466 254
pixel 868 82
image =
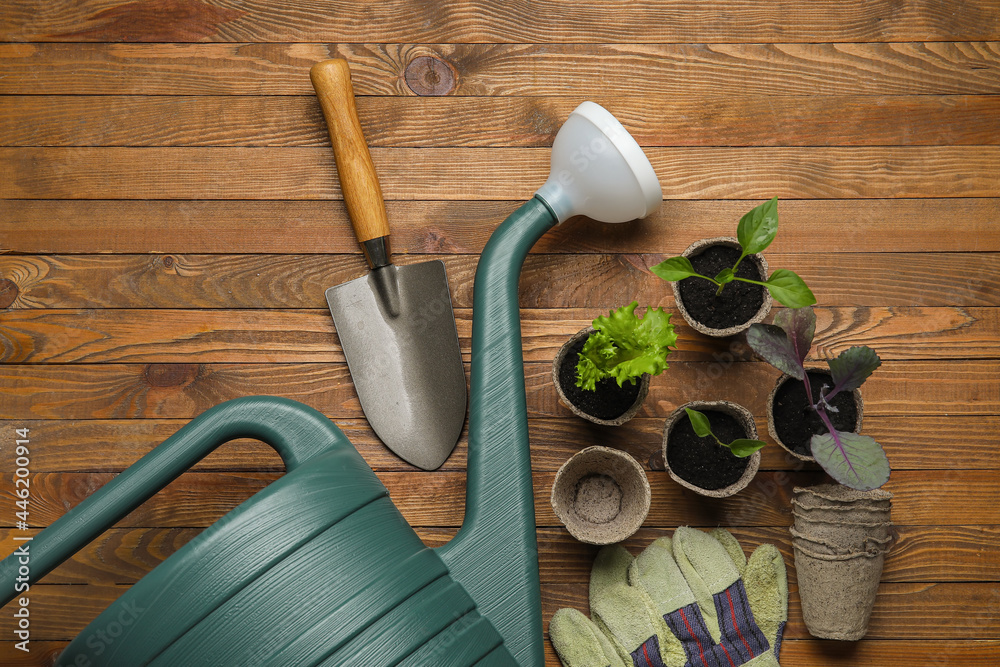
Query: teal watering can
pixel 320 568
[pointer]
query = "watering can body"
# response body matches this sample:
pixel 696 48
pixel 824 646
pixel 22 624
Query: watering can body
pixel 320 568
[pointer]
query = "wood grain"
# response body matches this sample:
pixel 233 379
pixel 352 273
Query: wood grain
pixel 481 21
pixel 810 652
pixel 919 554
pixel 355 171
pixel 571 70
pixel 488 174
pixel 912 442
pixel 595 282
pixel 902 611
pixel 126 120
pixel 181 391
pixel 170 217
pixel 420 227
pixel 198 499
pixel 282 336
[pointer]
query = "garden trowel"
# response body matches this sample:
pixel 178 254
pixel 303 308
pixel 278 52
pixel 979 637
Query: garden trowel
pixel 396 324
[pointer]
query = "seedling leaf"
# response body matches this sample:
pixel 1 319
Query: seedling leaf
pixel 773 344
pixel 725 276
pixel 675 268
pixel 625 346
pixel 799 324
pixel 852 459
pixel 744 448
pixel 789 290
pixel 852 367
pixel 758 227
pixel 699 422
pixel 740 447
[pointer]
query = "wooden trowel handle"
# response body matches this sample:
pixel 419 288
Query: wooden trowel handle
pixel 358 181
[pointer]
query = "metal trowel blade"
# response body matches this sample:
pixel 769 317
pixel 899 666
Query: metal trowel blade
pixel 397 329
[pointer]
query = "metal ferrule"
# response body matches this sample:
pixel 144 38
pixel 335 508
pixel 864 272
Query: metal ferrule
pixel 376 251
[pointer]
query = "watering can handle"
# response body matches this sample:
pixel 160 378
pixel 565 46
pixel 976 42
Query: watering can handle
pixel 296 431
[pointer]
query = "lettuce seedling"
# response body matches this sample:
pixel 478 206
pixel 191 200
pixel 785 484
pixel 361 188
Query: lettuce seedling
pixel 755 233
pixel 854 460
pixel 741 447
pixel 624 346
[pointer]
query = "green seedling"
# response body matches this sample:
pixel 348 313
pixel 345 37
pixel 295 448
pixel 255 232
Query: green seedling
pixel 741 447
pixel 755 233
pixel 625 346
pixel 852 459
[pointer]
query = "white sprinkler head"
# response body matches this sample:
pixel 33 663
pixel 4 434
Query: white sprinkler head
pixel 598 170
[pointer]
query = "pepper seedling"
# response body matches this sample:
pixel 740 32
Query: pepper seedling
pixel 755 232
pixel 625 346
pixel 852 459
pixel 741 447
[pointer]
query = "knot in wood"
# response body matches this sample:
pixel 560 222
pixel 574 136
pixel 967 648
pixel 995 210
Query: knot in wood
pixel 168 261
pixel 426 75
pixel 8 292
pixel 171 375
pixel 656 461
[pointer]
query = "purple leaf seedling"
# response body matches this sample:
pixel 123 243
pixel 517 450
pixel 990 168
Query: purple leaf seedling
pixel 852 459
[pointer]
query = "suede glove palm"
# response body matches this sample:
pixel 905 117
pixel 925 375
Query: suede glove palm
pixel 690 601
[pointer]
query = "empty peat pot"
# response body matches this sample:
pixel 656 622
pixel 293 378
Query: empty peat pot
pixel 701 464
pixel 601 495
pixel 840 539
pixel 792 422
pixel 609 404
pixel 740 304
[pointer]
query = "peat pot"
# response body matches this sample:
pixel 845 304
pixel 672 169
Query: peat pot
pixel 601 495
pixel 740 304
pixel 792 423
pixel 840 539
pixel 702 465
pixel 609 404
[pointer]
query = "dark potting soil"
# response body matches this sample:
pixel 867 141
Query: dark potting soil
pixel 738 302
pixel 701 461
pixel 796 423
pixel 609 401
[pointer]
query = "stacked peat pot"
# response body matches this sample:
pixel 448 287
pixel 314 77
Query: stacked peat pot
pixel 840 538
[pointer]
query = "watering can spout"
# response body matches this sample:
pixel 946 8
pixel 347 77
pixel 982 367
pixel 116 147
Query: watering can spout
pixel 598 170
pixel 496 549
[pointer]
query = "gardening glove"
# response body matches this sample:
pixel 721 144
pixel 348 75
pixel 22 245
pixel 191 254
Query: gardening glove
pixel 690 601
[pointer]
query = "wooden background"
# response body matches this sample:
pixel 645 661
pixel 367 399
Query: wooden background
pixel 170 217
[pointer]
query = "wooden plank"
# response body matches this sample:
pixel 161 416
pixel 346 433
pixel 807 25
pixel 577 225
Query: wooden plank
pixel 794 652
pixel 198 499
pixel 482 21
pixel 124 120
pixel 595 282
pixel 902 611
pixel 181 391
pixel 920 554
pixel 419 227
pixel 912 442
pixel 874 652
pixel 572 70
pixel 282 336
pixel 492 173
